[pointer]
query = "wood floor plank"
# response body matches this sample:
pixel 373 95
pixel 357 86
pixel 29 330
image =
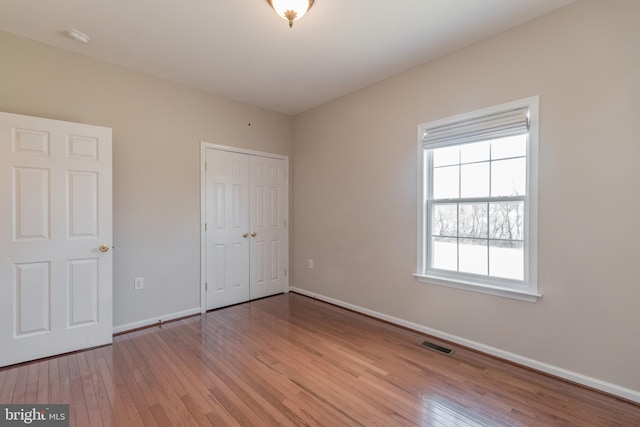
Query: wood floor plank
pixel 246 383
pixel 222 388
pixel 123 404
pixel 124 375
pixel 9 380
pixel 165 384
pixel 199 416
pixel 63 382
pixel 31 389
pixel 54 382
pixel 79 410
pixel 95 381
pixel 118 400
pixel 42 393
pixel 278 389
pixel 92 402
pixel 21 385
pixel 290 360
pixel 261 367
pixel 308 367
pixel 194 376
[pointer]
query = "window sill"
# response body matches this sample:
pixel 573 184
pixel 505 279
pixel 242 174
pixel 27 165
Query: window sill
pixel 481 288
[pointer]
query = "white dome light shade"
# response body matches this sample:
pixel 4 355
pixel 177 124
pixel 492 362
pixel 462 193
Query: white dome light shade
pixel 291 10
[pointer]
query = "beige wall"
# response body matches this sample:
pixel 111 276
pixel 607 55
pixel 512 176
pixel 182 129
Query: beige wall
pixel 157 129
pixel 354 191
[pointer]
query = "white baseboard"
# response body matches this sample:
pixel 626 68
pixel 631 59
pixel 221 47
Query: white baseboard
pixel 575 377
pixel 155 320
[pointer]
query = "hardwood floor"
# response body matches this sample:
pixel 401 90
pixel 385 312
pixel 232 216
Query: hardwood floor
pixel 291 360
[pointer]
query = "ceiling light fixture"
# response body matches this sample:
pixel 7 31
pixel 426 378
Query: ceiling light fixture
pixel 291 10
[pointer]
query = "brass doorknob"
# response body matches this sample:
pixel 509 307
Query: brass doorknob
pixel 245 235
pixel 254 234
pixel 104 248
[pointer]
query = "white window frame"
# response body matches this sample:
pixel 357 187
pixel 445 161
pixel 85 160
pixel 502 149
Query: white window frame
pixel 526 290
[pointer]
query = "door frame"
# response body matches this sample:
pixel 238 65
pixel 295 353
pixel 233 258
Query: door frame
pixel 203 239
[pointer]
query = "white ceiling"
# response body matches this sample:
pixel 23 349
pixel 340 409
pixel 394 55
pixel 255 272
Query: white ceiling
pixel 242 50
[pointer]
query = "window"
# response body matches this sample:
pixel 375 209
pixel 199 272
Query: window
pixel 478 201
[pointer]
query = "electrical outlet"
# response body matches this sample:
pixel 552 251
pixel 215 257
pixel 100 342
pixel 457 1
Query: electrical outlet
pixel 138 283
pixel 310 263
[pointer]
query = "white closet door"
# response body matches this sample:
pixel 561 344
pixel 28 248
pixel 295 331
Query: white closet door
pixel 55 237
pixel 227 228
pixel 268 227
pixel 245 215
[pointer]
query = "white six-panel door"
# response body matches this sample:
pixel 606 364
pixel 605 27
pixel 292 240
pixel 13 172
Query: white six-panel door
pixel 227 225
pixel 268 227
pixel 55 214
pixel 245 214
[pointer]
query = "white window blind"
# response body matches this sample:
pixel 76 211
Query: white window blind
pixel 492 126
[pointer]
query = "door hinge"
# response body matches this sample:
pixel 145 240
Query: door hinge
pixel 205 226
pixel 285 272
pixel 285 222
pixel 206 286
pixel 205 165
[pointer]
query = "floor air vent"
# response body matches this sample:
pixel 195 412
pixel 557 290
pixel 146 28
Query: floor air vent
pixel 436 347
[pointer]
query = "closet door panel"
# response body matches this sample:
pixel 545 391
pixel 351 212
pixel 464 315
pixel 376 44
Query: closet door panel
pixel 268 227
pixel 227 226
